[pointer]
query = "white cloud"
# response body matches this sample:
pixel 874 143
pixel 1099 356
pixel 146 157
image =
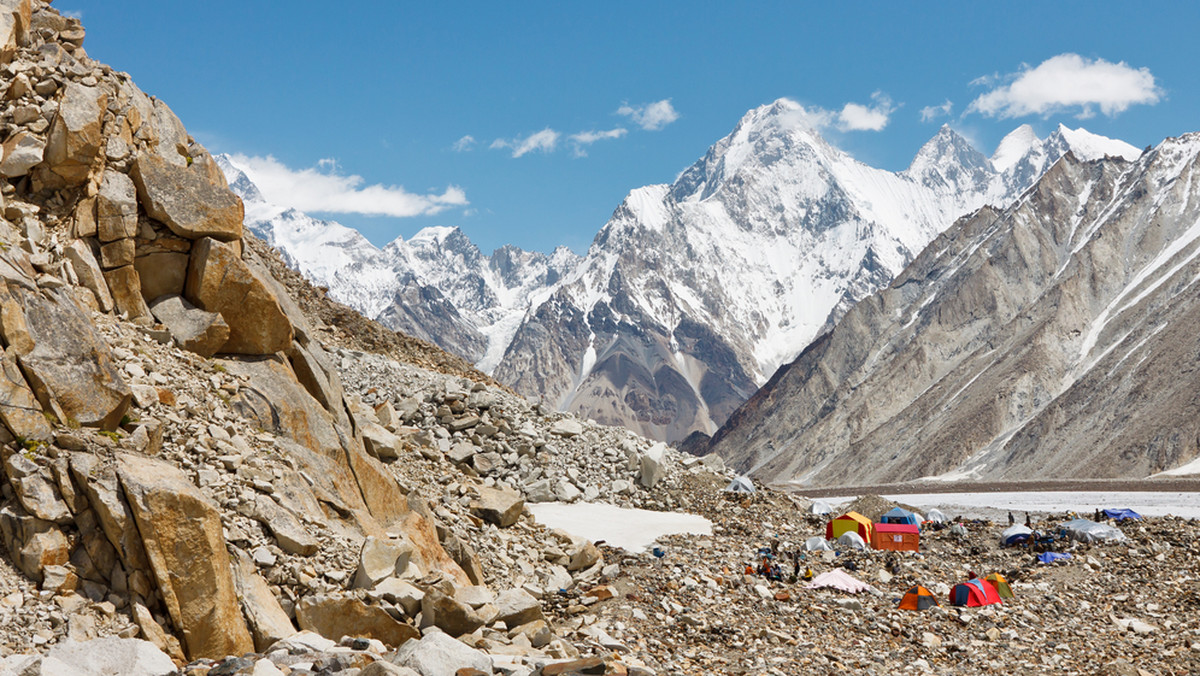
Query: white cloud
pixel 315 190
pixel 929 113
pixel 544 141
pixel 857 117
pixel 1069 82
pixel 650 116
pixel 586 138
pixel 72 13
pixel 463 144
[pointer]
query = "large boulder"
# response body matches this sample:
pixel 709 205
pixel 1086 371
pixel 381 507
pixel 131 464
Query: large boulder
pixel 125 285
pixel 75 137
pixel 653 465
pixel 516 607
pixel 161 273
pixel 448 613
pixel 32 543
pixel 15 18
pixel 184 540
pixel 437 654
pixel 22 151
pixel 105 656
pixel 218 281
pixel 20 411
pixel 380 559
pixel 186 201
pixel 69 367
pixel 267 620
pixel 499 506
pixel 87 270
pixel 191 328
pixel 336 615
pixel 116 207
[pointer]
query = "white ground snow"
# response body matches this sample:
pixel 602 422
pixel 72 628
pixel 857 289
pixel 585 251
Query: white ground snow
pixel 633 530
pixel 994 505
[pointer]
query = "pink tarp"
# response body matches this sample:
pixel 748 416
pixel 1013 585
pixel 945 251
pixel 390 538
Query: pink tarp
pixel 839 579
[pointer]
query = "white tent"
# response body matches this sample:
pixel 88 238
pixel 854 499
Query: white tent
pixel 1014 533
pixel 852 540
pixel 839 579
pixel 820 507
pixel 1085 530
pixel 817 544
pixel 742 484
pixel 937 516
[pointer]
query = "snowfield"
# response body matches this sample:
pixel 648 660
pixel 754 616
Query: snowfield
pixel 633 530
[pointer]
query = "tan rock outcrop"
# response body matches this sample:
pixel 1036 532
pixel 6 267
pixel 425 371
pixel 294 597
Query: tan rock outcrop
pixel 75 137
pixel 266 618
pixel 15 17
pixel 184 540
pixel 186 201
pixel 22 151
pixel 191 328
pixel 125 286
pixel 116 207
pixel 218 281
pixel 19 409
pixel 83 262
pixel 161 274
pixel 32 543
pixel 336 615
pixel 117 254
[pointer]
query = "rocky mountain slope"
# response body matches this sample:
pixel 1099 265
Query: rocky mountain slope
pixel 694 293
pixel 1051 338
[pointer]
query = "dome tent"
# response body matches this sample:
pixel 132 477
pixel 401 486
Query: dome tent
pixel 975 592
pixel 852 540
pixel 817 544
pixel 741 484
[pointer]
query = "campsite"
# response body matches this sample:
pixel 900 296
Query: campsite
pixel 1119 607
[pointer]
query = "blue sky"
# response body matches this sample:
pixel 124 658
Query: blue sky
pixel 571 105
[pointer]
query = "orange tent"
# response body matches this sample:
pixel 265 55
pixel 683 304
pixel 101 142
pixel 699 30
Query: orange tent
pixel 1001 585
pixel 898 537
pixel 850 521
pixel 918 598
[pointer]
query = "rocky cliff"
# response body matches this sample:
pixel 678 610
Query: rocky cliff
pixel 1051 338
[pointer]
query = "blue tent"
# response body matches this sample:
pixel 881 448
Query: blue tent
pixel 1121 514
pixel 1015 534
pixel 899 515
pixel 1051 557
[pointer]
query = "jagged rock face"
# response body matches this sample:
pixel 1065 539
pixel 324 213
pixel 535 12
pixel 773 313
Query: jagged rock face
pixel 1052 338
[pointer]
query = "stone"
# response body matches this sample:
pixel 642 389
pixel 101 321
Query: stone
pixel 15 20
pixel 537 631
pixel 109 655
pixel 580 667
pixel 218 281
pixel 499 506
pixel 486 463
pixel 21 412
pixel 461 452
pixel 386 669
pixel 75 139
pixel 267 620
pixel 336 615
pixel 540 491
pixel 186 201
pixel 379 442
pixel 117 254
pixel 36 491
pixel 565 491
pixel 583 556
pixel 567 427
pixel 315 372
pixel 516 607
pixel 463 554
pixel 69 367
pixel 184 541
pixel 290 534
pixel 191 328
pixel 32 543
pixel 126 288
pixel 437 654
pixel 116 208
pixel 163 273
pixel 448 614
pixel 380 559
pixel 152 631
pixel 402 593
pixel 112 514
pixel 653 465
pixel 21 152
pixel 88 271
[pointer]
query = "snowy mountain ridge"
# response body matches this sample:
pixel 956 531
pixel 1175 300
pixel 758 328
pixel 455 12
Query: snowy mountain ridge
pixel 693 293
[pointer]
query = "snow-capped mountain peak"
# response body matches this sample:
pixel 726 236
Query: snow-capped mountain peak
pixel 1013 147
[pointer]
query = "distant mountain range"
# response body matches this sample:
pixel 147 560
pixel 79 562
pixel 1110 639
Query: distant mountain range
pixel 693 293
pixel 1052 338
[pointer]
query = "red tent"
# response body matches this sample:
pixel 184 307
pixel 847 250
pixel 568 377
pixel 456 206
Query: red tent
pixel 975 592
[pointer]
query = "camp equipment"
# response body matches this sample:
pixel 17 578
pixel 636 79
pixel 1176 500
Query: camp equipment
pixel 1085 530
pixel 852 540
pixel 850 521
pixel 937 516
pixel 975 592
pixel 839 579
pixel 900 515
pixel 1015 534
pixel 899 537
pixel 1120 514
pixel 741 484
pixel 820 508
pixel 997 580
pixel 817 544
pixel 1051 557
pixel 918 598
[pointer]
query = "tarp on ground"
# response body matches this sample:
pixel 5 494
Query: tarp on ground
pixel 1014 534
pixel 742 484
pixel 1051 557
pixel 840 580
pixel 820 507
pixel 937 516
pixel 975 592
pixel 817 544
pixel 1086 530
pixel 899 515
pixel 918 598
pixel 852 540
pixel 1121 514
pixel 958 529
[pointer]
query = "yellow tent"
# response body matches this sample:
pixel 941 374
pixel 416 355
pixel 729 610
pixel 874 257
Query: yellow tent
pixel 1001 585
pixel 850 521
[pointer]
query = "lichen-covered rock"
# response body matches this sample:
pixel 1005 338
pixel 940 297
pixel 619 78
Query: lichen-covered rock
pixel 186 201
pixel 218 281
